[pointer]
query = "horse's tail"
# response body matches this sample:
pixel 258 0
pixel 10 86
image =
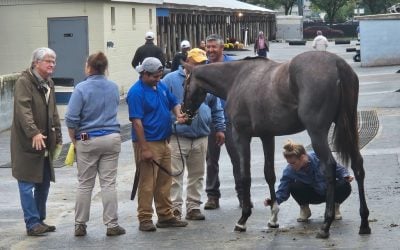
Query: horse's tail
pixel 345 135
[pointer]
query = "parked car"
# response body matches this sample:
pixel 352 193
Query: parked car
pixel 311 32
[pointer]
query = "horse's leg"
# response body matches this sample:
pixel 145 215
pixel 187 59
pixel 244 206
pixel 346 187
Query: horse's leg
pixel 359 173
pixel 328 164
pixel 242 143
pixel 269 174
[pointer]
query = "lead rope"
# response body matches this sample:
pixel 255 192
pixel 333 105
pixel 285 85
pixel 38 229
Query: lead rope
pixel 183 161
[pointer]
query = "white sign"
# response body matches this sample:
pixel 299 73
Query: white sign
pixel 359 11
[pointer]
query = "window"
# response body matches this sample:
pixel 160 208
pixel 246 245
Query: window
pixel 113 18
pixel 151 18
pixel 133 18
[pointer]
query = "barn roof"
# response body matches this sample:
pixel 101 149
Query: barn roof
pixel 223 5
pixel 218 5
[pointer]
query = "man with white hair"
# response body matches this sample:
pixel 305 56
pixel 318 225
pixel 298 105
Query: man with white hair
pixel 35 135
pixel 180 56
pixel 149 49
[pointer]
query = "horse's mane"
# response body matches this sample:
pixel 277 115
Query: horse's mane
pixel 254 58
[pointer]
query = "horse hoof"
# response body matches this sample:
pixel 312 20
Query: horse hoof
pixel 365 230
pixel 322 235
pixel 273 225
pixel 240 228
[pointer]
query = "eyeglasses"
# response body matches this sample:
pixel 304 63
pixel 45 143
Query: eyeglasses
pixel 49 61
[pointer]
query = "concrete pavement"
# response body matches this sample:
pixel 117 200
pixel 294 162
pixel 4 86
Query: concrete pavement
pixel 378 88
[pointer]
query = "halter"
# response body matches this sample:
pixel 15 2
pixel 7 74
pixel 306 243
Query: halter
pixel 190 114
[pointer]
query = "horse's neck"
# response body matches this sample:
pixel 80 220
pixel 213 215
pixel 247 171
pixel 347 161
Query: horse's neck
pixel 216 80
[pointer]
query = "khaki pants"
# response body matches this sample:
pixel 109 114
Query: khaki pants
pixel 98 155
pixel 153 182
pixel 194 153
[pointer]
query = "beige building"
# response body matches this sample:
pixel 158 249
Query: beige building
pixel 75 29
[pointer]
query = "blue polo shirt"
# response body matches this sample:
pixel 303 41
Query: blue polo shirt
pixel 153 107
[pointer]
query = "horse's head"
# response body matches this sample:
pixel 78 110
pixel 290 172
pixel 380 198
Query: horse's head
pixel 193 94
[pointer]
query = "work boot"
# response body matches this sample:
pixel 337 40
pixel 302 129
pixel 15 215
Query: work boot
pixel 212 203
pixel 305 213
pixel 49 228
pixel 115 231
pixel 37 230
pixel 177 214
pixel 173 222
pixel 195 214
pixel 147 226
pixel 338 216
pixel 80 230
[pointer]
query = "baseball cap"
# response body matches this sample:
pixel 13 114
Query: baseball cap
pixel 198 55
pixel 151 65
pixel 185 44
pixel 149 35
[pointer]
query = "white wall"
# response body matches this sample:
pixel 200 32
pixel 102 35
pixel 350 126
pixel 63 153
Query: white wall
pixel 289 27
pixel 23 28
pixel 126 38
pixel 379 40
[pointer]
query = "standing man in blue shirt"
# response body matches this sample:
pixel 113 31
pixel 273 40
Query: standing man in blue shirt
pixel 305 181
pixel 149 103
pixel 215 49
pixel 193 141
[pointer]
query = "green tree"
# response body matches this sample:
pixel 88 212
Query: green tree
pixel 269 4
pixel 274 4
pixel 331 7
pixel 377 6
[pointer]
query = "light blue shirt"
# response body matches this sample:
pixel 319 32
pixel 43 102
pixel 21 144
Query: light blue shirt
pixel 93 106
pixel 226 59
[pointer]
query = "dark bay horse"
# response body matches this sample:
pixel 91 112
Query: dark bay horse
pixel 267 99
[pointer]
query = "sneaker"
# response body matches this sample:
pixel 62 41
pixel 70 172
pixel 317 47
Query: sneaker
pixel 338 216
pixel 147 226
pixel 173 222
pixel 37 230
pixel 177 214
pixel 305 213
pixel 195 214
pixel 80 229
pixel 212 203
pixel 49 228
pixel 114 231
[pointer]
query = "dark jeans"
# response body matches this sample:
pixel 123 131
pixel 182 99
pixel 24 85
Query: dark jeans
pixel 262 52
pixel 34 197
pixel 213 152
pixel 305 194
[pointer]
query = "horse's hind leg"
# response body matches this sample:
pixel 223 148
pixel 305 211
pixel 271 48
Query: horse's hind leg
pixel 242 143
pixel 328 164
pixel 359 173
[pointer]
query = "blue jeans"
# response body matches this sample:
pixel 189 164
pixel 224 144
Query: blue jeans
pixel 34 197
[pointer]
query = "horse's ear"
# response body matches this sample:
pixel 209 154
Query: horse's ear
pixel 187 66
